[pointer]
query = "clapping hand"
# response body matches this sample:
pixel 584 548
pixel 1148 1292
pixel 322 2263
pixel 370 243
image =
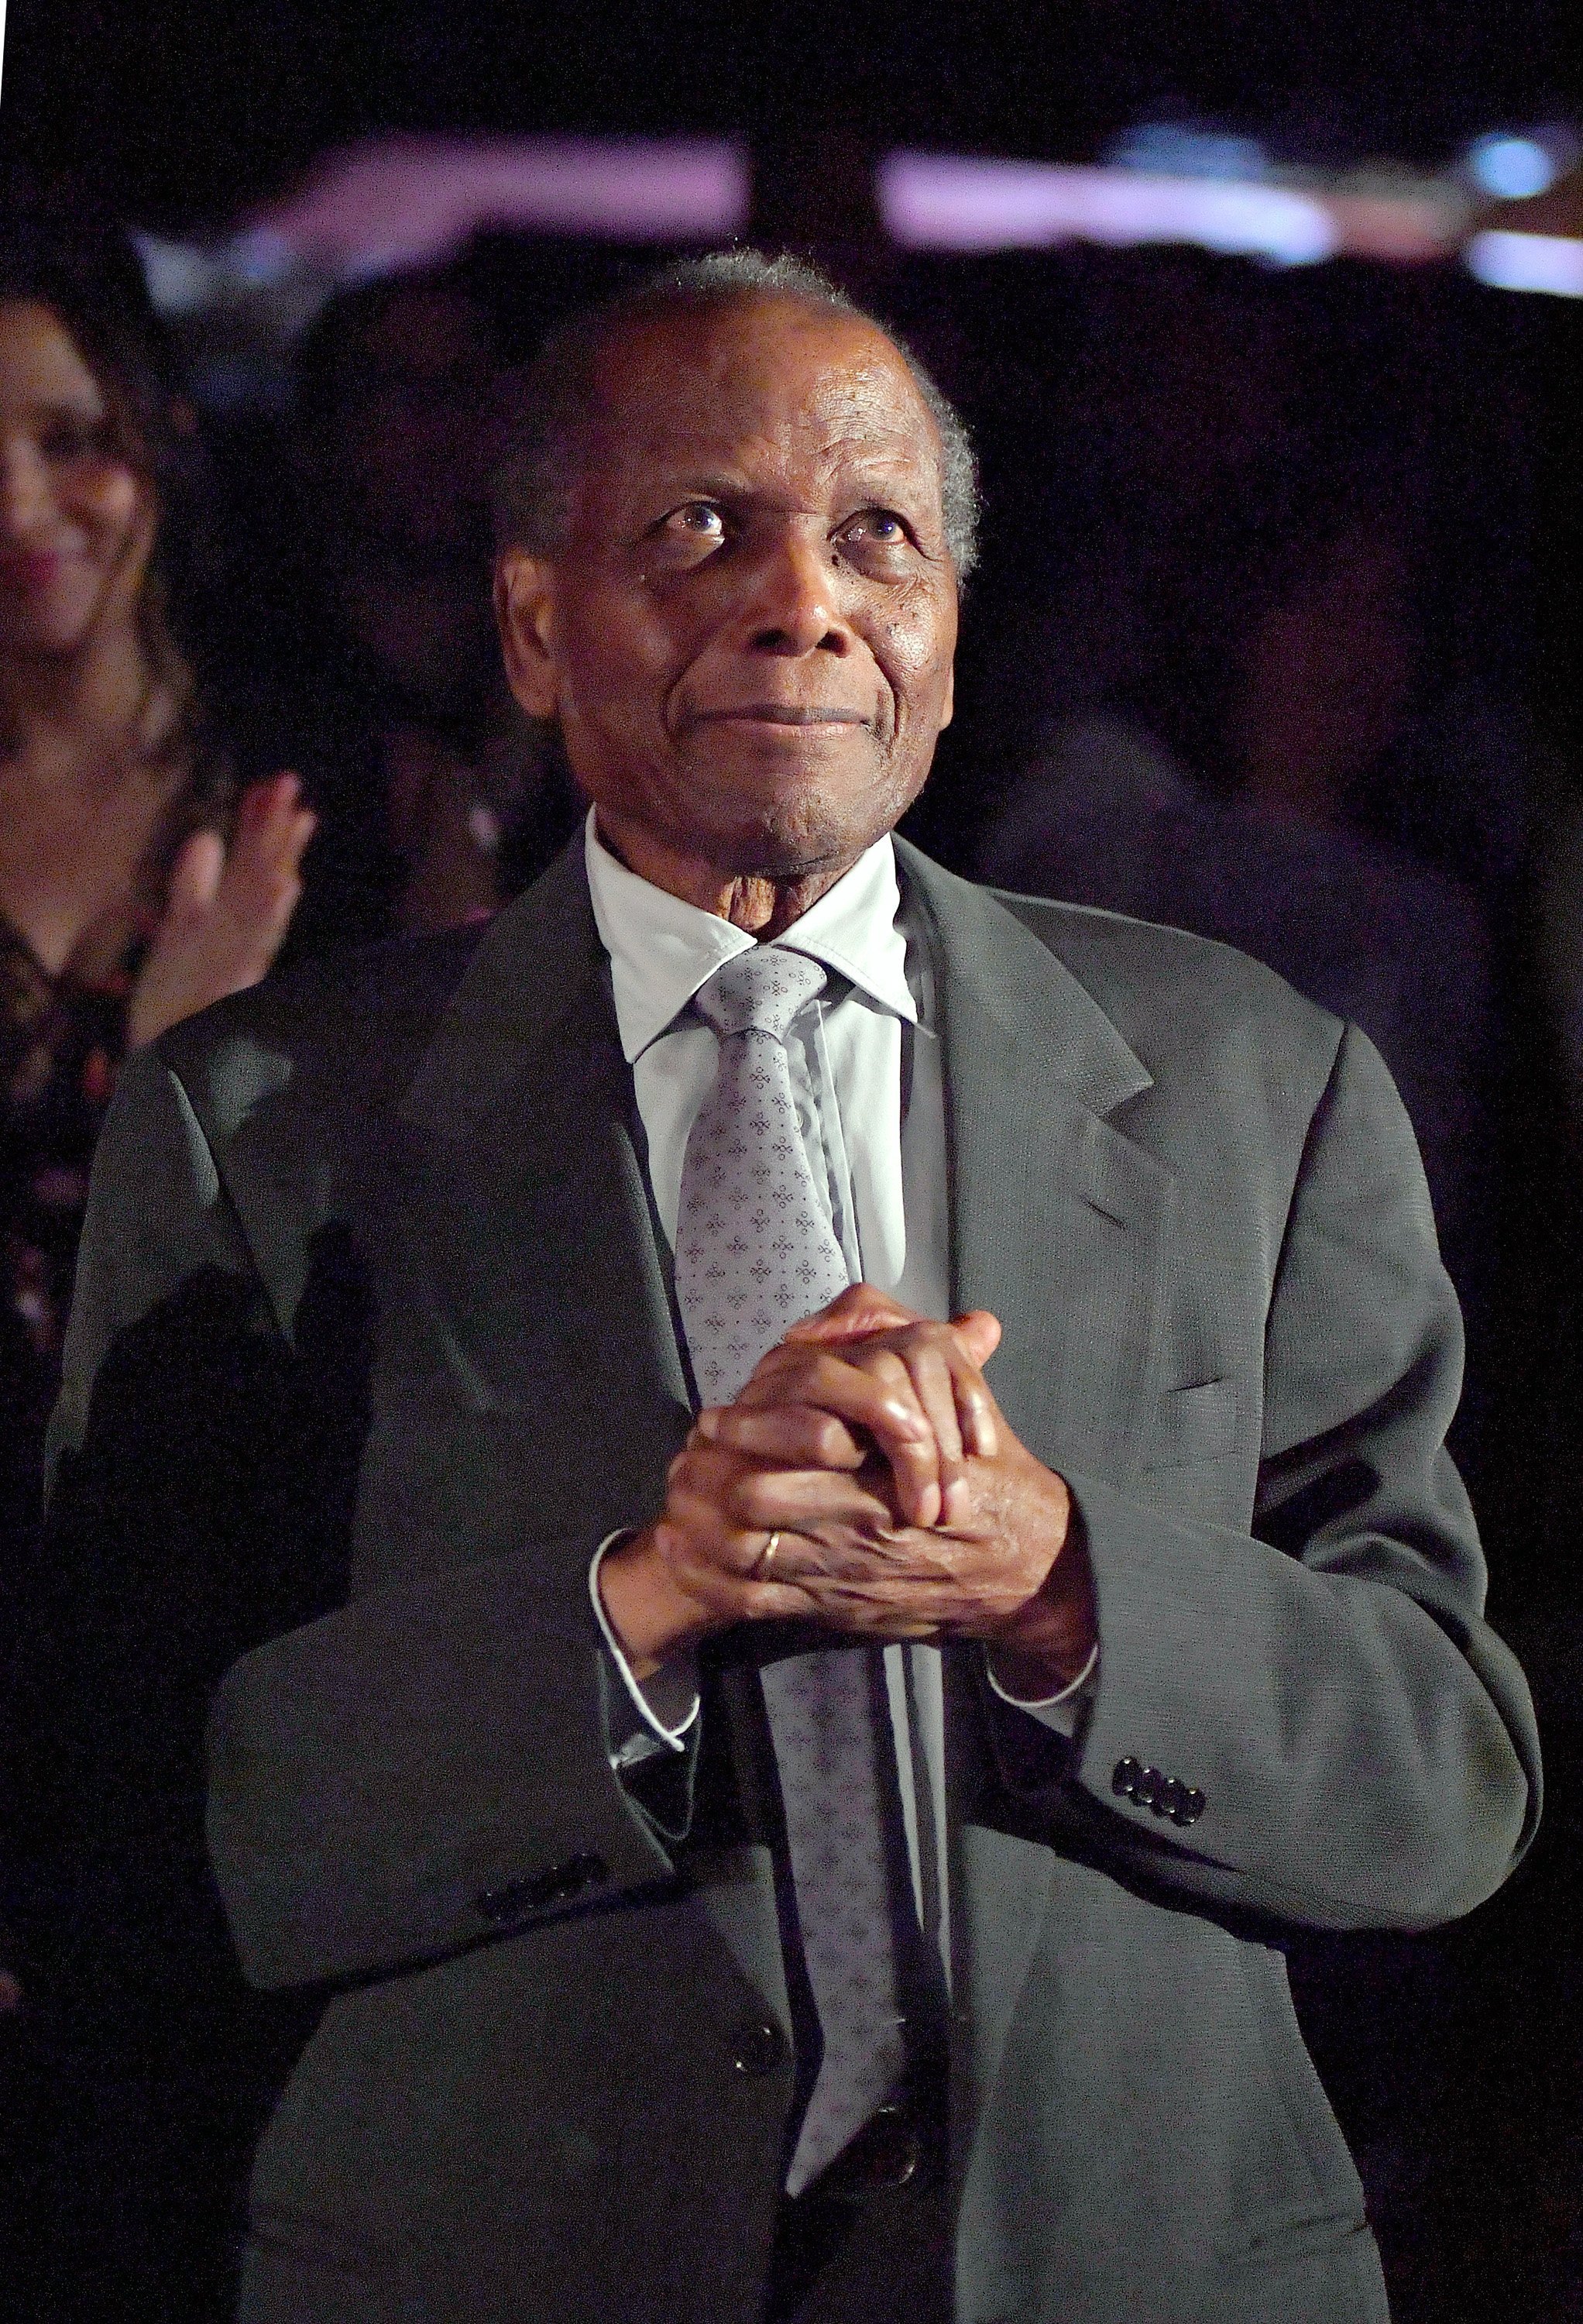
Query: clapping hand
pixel 868 1449
pixel 226 910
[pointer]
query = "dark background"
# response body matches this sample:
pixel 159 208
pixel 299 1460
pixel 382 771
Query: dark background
pixel 1461 2061
pixel 181 114
pixel 202 105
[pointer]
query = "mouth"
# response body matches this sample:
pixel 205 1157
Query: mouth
pixel 781 713
pixel 30 569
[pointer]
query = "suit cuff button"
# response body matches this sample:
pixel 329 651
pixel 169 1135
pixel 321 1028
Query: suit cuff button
pixel 1124 1780
pixel 518 1900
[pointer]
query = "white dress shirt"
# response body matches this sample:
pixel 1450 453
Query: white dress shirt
pixel 867 1082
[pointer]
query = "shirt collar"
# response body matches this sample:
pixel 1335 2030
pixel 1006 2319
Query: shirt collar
pixel 661 950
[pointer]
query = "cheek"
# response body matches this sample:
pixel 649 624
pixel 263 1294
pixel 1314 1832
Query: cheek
pixel 112 508
pixel 621 657
pixel 914 641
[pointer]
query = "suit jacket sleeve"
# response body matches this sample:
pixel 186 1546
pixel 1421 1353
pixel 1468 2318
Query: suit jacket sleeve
pixel 1363 1744
pixel 391 1779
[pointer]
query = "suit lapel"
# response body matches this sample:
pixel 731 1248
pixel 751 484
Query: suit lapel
pixel 1060 1226
pixel 544 1269
pixel 1060 1223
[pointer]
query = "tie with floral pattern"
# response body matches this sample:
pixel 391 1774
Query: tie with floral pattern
pixel 756 1252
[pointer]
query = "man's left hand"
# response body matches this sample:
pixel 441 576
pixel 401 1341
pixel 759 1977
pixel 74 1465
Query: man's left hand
pixel 974 1536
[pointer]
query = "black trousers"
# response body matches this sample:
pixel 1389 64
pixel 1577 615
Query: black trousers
pixel 887 2260
pixel 884 2255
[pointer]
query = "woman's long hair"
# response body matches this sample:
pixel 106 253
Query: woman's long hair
pixel 58 253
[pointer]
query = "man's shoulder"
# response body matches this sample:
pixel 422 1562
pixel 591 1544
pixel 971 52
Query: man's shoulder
pixel 343 1030
pixel 1164 990
pixel 1148 976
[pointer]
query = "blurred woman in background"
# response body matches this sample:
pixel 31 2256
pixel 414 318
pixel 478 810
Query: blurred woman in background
pixel 138 880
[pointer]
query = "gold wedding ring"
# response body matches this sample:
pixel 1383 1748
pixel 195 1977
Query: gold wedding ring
pixel 761 1564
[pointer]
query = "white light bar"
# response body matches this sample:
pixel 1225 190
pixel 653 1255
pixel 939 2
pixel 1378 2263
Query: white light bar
pixel 413 201
pixel 935 202
pixel 1527 261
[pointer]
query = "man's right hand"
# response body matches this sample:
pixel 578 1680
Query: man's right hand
pixel 864 1440
pixel 693 1572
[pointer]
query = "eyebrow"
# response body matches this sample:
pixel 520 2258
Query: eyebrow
pixel 57 404
pixel 720 484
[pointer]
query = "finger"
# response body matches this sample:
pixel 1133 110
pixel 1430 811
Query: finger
pixel 734 1507
pixel 813 1501
pixel 855 1314
pixel 304 824
pixel 920 1464
pixel 790 1435
pixel 865 1385
pixel 978 1335
pixel 272 830
pixel 262 884
pixel 869 1387
pixel 272 795
pixel 935 1389
pixel 194 877
pixel 725 1584
pixel 862 1312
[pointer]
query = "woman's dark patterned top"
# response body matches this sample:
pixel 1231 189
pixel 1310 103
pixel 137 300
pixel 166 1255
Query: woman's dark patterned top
pixel 60 1044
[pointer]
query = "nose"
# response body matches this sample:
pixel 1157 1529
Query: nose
pixel 793 604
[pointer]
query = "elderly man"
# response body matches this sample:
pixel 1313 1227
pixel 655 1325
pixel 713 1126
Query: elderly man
pixel 845 1515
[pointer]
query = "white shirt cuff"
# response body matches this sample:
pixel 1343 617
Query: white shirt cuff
pixel 1070 1699
pixel 677 1675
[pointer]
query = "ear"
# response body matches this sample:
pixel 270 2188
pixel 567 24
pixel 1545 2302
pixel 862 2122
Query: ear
pixel 948 707
pixel 524 609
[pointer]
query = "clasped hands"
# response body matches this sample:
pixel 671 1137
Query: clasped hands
pixel 902 1507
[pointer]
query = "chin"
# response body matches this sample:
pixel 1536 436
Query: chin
pixel 31 639
pixel 804 827
pixel 788 839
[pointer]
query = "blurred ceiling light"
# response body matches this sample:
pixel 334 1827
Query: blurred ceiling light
pixel 1527 261
pixel 1512 169
pixel 407 201
pixel 1514 165
pixel 181 280
pixel 935 202
pixel 1181 149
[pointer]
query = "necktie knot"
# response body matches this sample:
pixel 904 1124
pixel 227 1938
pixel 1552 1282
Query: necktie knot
pixel 759 992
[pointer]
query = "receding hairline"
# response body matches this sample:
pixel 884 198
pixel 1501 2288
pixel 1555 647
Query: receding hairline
pixel 671 318
pixel 629 319
pixel 564 387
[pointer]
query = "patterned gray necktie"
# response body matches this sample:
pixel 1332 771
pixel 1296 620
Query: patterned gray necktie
pixel 756 1253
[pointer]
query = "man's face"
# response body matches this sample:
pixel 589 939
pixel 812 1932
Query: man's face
pixel 747 637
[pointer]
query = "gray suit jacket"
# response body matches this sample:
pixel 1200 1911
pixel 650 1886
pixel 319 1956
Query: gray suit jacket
pixel 552 2079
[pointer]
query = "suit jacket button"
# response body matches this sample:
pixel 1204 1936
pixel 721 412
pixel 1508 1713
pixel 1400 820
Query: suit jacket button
pixel 757 2047
pixel 1192 1805
pixel 1124 1779
pixel 1147 1794
pixel 508 1902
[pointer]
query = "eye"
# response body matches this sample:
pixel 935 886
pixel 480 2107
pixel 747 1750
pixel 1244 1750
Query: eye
pixel 696 521
pixel 875 529
pixel 69 438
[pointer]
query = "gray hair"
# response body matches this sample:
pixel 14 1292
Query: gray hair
pixel 553 404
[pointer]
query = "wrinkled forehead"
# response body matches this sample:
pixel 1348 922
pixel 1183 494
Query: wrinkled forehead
pixel 758 383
